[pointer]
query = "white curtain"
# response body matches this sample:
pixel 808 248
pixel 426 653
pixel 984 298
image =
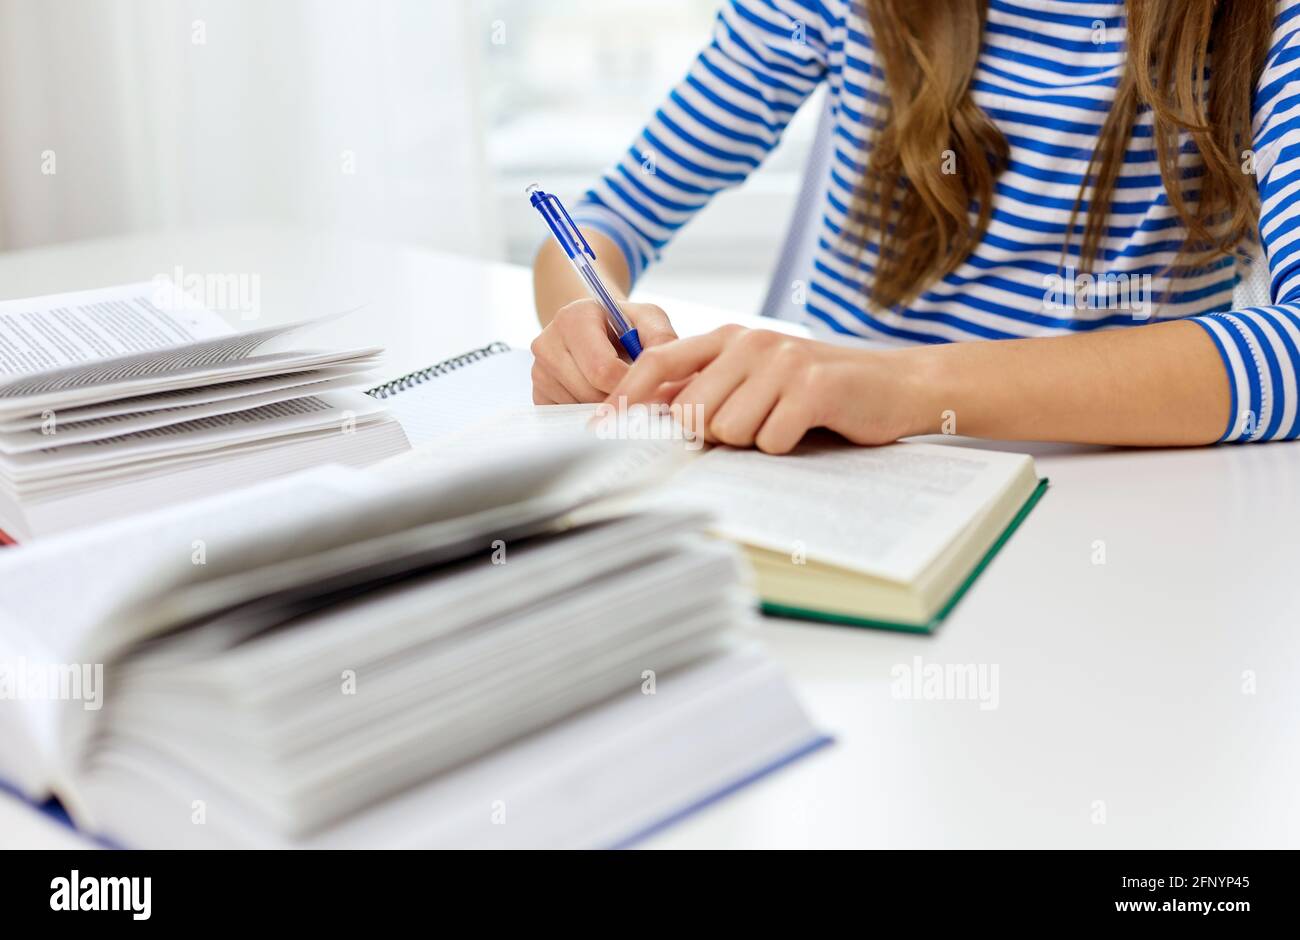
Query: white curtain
pixel 132 115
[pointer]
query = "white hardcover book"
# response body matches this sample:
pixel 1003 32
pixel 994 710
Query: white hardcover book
pixel 365 658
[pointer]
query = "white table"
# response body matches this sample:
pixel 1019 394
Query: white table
pixel 1150 701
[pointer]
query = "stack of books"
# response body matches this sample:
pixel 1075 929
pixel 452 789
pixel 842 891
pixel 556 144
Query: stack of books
pixel 421 654
pixel 118 400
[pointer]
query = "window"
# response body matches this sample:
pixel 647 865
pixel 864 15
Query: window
pixel 566 86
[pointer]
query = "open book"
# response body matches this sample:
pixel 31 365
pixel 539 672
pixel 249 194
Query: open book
pixel 895 536
pixel 868 536
pixel 121 399
pixel 416 655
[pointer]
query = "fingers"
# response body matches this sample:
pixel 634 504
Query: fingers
pixel 669 390
pixel 756 391
pixel 742 387
pixel 578 360
pixel 576 356
pixel 548 391
pixel 785 426
pixel 701 396
pixel 592 350
pixel 651 323
pixel 737 420
pixel 670 362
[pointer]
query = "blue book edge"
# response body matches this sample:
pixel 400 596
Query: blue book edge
pixel 717 796
pixel 54 810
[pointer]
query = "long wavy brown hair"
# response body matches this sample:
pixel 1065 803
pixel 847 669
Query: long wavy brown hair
pixel 926 221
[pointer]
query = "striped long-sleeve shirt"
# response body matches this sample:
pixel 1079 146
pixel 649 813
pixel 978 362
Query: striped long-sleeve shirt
pixel 1046 75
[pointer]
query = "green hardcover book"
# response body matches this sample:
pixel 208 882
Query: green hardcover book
pixel 856 611
pixel 887 537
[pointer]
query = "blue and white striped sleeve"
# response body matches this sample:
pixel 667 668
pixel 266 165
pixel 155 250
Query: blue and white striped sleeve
pixel 716 126
pixel 1260 346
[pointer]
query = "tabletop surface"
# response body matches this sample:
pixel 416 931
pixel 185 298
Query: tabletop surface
pixel 1140 630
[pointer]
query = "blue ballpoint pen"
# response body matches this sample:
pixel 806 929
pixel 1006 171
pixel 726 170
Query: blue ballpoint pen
pixel 575 246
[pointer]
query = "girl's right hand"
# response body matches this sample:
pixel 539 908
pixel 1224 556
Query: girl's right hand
pixel 577 358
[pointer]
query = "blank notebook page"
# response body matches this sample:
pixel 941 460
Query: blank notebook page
pixel 455 395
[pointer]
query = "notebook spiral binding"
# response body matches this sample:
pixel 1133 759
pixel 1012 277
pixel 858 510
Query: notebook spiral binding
pixel 411 379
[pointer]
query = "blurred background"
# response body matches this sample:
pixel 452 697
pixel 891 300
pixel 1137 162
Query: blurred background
pixel 398 121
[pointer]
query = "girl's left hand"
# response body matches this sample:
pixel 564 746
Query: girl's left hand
pixel 757 388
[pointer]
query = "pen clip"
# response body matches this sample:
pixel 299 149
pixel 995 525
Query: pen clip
pixel 562 224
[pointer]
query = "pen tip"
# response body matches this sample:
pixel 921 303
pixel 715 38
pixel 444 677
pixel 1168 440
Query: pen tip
pixel 532 188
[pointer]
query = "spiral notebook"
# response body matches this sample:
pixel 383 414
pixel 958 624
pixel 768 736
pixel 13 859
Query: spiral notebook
pixel 458 393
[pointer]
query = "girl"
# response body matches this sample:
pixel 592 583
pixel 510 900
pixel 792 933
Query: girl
pixel 990 156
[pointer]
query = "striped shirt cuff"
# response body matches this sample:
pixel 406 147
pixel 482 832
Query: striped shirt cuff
pixel 594 215
pixel 1260 349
